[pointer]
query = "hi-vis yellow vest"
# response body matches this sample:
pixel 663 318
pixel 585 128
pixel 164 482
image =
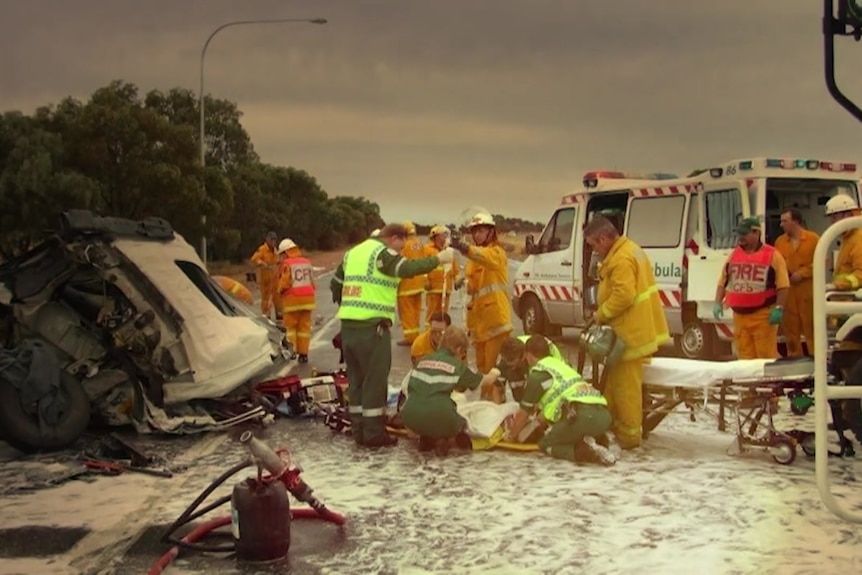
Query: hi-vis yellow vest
pixel 568 385
pixel 367 293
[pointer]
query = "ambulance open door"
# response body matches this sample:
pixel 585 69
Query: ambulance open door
pixel 657 223
pixel 722 205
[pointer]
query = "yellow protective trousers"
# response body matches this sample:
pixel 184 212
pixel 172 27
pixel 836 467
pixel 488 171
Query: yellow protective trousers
pixel 623 390
pixel 297 325
pixel 754 336
pixel 410 312
pixel 799 320
pixel 267 283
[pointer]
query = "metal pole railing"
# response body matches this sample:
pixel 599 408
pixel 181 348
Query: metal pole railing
pixel 822 391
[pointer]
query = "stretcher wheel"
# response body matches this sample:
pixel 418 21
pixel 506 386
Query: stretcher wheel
pixel 807 445
pixel 783 451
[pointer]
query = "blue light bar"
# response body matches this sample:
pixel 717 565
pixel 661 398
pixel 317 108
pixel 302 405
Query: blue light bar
pixel 745 165
pixel 774 163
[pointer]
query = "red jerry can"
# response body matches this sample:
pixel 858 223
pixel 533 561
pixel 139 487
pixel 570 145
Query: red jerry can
pixel 260 521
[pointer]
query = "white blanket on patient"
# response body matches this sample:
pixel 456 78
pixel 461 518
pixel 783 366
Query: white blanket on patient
pixel 483 417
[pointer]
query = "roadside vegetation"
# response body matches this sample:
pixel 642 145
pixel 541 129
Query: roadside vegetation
pixel 127 154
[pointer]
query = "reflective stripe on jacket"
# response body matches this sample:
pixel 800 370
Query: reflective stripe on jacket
pixel 566 385
pixel 367 293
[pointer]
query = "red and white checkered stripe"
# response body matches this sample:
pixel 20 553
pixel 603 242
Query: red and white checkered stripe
pixel 664 190
pixel 548 292
pixel 574 199
pixel 670 298
pixel 724 329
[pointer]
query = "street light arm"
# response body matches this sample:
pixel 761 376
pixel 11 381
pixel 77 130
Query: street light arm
pixel 204 54
pixel 201 97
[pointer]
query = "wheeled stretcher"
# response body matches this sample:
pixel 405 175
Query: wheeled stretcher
pixel 750 388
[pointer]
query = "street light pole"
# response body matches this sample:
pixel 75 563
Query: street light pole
pixel 201 101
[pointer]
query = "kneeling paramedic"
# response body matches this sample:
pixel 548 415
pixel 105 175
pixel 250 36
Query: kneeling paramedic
pixel 576 411
pixel 369 278
pixel 754 284
pixel 429 410
pixel 514 369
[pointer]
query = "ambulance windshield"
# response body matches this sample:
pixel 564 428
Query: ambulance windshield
pixel 808 195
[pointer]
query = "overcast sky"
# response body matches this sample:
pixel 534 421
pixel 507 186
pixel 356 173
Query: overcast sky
pixel 430 106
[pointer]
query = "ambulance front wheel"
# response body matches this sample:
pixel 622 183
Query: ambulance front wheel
pixel 697 341
pixel 533 317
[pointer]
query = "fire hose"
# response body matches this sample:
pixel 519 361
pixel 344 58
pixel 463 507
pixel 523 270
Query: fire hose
pixel 279 470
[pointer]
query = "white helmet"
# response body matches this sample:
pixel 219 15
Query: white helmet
pixel 285 245
pixel 482 219
pixel 840 203
pixel 375 233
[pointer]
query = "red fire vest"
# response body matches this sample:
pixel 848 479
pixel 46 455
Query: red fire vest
pixel 748 286
pixel 301 275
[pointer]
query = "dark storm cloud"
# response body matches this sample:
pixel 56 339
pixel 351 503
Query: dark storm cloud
pixel 463 102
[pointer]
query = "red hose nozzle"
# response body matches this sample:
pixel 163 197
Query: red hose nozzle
pixel 264 454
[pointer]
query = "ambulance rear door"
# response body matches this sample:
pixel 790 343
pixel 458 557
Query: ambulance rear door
pixel 552 279
pixel 722 205
pixel 656 220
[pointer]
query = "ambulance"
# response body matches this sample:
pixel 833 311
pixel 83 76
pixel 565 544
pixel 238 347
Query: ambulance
pixel 687 227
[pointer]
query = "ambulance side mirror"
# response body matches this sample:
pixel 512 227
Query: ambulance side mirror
pixel 530 244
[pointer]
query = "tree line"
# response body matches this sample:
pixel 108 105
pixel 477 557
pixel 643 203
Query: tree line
pixel 126 155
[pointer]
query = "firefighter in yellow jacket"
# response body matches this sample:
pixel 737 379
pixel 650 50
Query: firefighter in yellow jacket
pixel 489 314
pixel 754 284
pixel 296 296
pixel 265 259
pixel 440 282
pixel 235 288
pixel 628 302
pixel 410 289
pixel 847 274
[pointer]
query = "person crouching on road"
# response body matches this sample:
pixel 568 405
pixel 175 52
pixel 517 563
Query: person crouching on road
pixel 513 366
pixel 265 259
pixel 410 289
pixel 754 284
pixel 576 412
pixel 429 340
pixel 629 303
pixel 368 279
pixel 296 296
pixel 429 410
pixel 489 313
pixel 442 280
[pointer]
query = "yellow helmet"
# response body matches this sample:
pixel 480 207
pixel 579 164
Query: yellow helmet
pixel 410 227
pixel 438 231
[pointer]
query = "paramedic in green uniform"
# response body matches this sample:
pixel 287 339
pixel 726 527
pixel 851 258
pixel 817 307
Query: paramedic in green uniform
pixel 575 411
pixel 429 410
pixel 368 279
pixel 513 364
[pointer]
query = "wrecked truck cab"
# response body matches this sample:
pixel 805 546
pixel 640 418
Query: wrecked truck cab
pixel 130 311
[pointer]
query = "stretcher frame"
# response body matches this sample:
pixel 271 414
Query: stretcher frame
pixel 753 400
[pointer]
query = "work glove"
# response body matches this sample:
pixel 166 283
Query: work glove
pixel 459 243
pixel 446 256
pixel 717 310
pixel 428 285
pixel 776 316
pixel 459 283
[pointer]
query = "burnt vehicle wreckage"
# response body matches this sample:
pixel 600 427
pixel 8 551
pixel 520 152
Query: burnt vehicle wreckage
pixel 117 322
